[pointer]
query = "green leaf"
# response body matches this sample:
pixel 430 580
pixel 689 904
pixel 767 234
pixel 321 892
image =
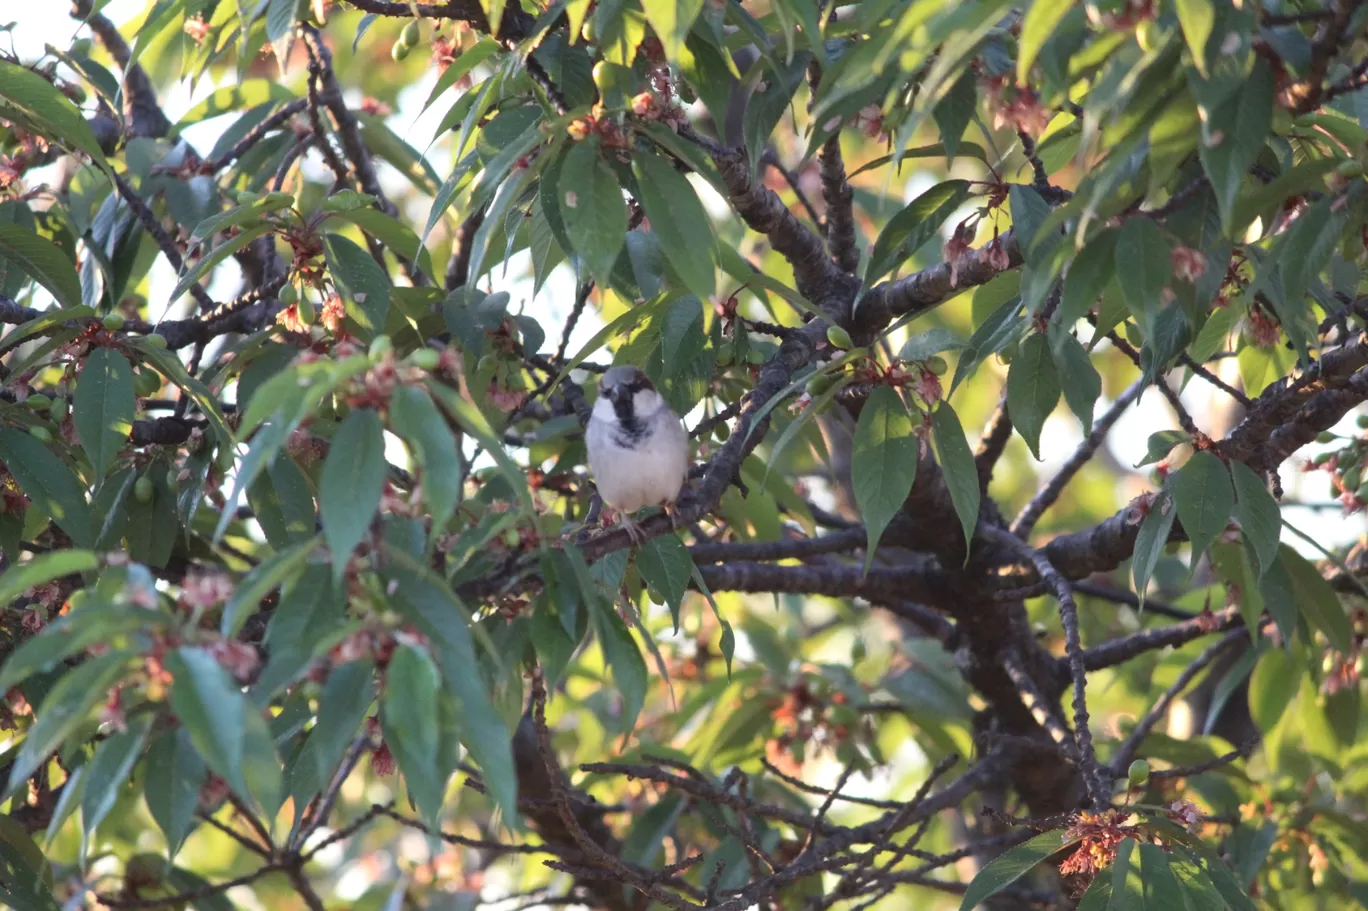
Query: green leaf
pixel 412 688
pixel 172 783
pixel 957 463
pixel 765 109
pixel 954 112
pixel 1260 518
pixel 592 208
pixel 63 709
pixel 250 213
pixel 1204 497
pixel 671 20
pixel 1029 213
pixel 365 282
pixel 109 769
pixel 213 710
pixel 1032 389
pixel 1037 27
pixel 49 483
pixel 215 256
pixel 50 112
pixel 351 484
pixel 883 462
pixel 25 877
pixel 283 503
pixel 1196 17
pixel 665 567
pixel 678 219
pixel 94 621
pixel 1160 444
pixel 621 653
pixel 1151 539
pixel 1087 278
pixel 39 570
pixel 926 345
pixel 265 577
pixel 913 226
pixel 1079 378
pixel 1143 268
pixel 1234 136
pixel 1011 865
pixel 280 29
pixel 342 707
pixel 1316 599
pixel 42 260
pixel 1161 887
pixel 1003 326
pixel 416 419
pixel 425 601
pixel 103 407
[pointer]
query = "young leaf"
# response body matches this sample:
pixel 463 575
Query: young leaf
pixel 1315 599
pixel 103 407
pixel 1037 27
pixel 416 419
pixel 213 710
pixel 1142 269
pixel 1088 276
pixel 49 111
pixel 412 688
pixel 1234 135
pixel 1160 444
pixel 1196 17
pixel 665 566
pixel 364 281
pixel 1029 212
pixel 108 770
pixel 1011 865
pixel 1079 378
pixel 352 482
pixel 1204 497
pixel 678 219
pixel 42 260
pixel 1260 518
pixel 1032 389
pixel 40 570
pixel 49 483
pixel 883 462
pixel 63 709
pixel 592 208
pixel 671 20
pixel 172 785
pixel 1151 539
pixel 918 222
pixel 622 654
pixel 957 463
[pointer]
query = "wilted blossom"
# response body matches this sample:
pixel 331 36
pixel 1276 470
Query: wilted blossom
pixel 927 386
pixel 1188 264
pixel 240 659
pixel 957 249
pixel 112 713
pixel 334 312
pixel 382 761
pixel 1261 329
pixel 203 590
pixel 1185 813
pixel 1101 834
pixel 289 319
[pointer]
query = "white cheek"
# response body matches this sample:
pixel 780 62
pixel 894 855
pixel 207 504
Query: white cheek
pixel 645 402
pixel 603 409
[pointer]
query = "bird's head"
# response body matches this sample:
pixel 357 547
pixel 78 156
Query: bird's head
pixel 630 393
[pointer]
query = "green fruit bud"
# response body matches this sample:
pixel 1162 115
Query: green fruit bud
pixel 155 341
pixel 1349 168
pixel 147 383
pixel 1321 458
pixel 755 357
pixel 821 383
pixel 380 346
pixel 1328 663
pixel 937 365
pixel 1362 421
pixel 1282 120
pixel 588 31
pixel 399 52
pixel 725 355
pixel 288 295
pixel 839 338
pixel 41 434
pixel 510 537
pixel 411 34
pixel 1147 34
pixel 425 358
pixel 114 321
pixel 1351 478
pixel 38 402
pixel 1325 436
pixel 58 410
pixel 1138 773
pixel 143 489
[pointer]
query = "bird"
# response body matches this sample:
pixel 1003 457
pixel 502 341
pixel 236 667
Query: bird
pixel 638 448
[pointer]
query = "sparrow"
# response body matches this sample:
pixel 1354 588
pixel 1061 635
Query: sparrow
pixel 638 448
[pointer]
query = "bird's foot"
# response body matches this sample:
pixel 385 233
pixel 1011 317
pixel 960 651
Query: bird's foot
pixel 613 518
pixel 672 510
